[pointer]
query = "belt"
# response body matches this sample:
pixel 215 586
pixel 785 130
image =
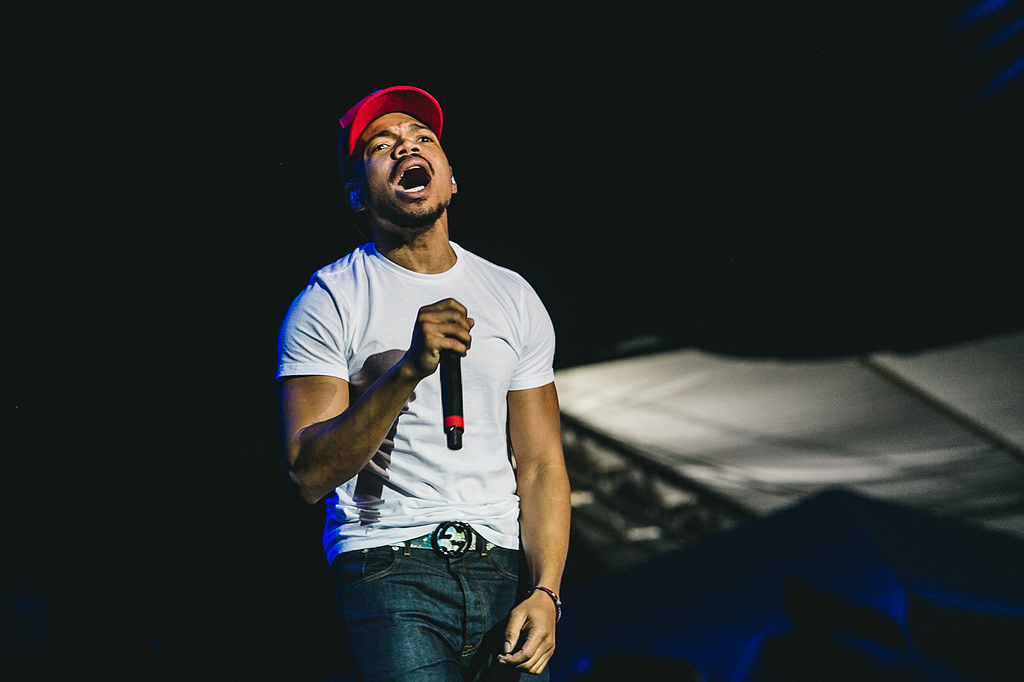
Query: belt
pixel 451 539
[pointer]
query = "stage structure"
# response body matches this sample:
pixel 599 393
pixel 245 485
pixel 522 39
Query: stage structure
pixel 667 448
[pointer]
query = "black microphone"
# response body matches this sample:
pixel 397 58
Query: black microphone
pixel 451 398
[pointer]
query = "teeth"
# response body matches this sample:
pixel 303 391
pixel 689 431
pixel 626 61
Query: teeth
pixel 401 179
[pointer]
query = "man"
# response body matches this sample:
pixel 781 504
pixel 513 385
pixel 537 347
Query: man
pixel 426 540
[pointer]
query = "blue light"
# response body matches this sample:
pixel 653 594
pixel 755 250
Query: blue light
pixel 982 10
pixel 583 664
pixel 986 51
pixel 1007 75
pixel 1002 36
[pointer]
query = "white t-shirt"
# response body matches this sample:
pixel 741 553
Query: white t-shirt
pixel 354 320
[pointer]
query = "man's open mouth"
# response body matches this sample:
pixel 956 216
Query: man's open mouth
pixel 414 178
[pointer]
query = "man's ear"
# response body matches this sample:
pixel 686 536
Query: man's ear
pixel 355 202
pixel 455 185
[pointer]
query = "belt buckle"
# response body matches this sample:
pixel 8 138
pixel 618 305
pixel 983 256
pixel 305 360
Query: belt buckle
pixel 451 538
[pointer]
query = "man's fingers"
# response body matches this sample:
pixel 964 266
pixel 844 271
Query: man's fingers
pixel 448 309
pixel 439 326
pixel 526 646
pixel 512 629
pixel 445 326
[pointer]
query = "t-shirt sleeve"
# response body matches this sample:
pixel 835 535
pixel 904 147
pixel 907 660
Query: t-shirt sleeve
pixel 537 349
pixel 311 340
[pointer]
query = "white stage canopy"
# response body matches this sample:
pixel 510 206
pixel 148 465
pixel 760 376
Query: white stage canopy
pixel 940 430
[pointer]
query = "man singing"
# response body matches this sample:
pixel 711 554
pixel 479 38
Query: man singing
pixel 426 540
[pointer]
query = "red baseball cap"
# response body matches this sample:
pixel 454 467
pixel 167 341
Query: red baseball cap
pixel 409 100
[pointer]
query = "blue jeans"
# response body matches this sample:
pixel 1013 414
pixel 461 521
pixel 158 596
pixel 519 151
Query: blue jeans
pixel 413 615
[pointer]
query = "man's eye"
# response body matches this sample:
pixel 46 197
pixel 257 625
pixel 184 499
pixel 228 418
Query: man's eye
pixel 378 147
pixel 426 138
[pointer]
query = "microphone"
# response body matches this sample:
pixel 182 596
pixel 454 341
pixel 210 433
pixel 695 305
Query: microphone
pixel 451 398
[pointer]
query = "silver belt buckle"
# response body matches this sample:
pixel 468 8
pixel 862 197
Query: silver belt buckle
pixel 451 538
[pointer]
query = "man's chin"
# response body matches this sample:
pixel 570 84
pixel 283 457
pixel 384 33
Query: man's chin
pixel 415 222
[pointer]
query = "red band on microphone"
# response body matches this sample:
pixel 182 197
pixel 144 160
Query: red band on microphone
pixel 454 420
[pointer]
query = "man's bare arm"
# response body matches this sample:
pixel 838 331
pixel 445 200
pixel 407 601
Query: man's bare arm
pixel 543 489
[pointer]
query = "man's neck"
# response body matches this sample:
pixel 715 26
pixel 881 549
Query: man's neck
pixel 427 253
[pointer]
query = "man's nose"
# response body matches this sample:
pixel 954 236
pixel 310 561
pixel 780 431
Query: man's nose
pixel 406 145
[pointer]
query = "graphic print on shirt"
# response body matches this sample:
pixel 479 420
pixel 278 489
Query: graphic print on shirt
pixel 370 481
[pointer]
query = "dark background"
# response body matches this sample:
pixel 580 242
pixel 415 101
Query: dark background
pixel 788 179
